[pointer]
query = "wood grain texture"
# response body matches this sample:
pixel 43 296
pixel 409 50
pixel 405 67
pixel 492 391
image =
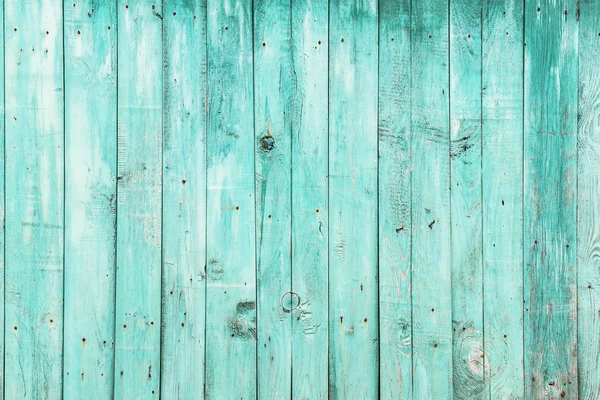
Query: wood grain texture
pixel 90 199
pixel 34 144
pixel 231 326
pixel 395 220
pixel 184 199
pixel 468 348
pixel 139 195
pixel 430 140
pixel 550 168
pixel 588 204
pixel 2 197
pixel 502 174
pixel 310 199
pixel 274 86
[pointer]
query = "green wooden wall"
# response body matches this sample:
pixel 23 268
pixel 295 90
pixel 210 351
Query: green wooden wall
pixel 300 199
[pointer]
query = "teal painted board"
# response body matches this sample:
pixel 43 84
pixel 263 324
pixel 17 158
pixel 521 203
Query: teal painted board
pixel 430 200
pixel 231 325
pixel 550 194
pixel 310 199
pixel 2 199
pixel 274 86
pixel 395 219
pixel 468 347
pixel 502 201
pixel 90 198
pixel 353 272
pixel 34 162
pixel 588 204
pixel 184 199
pixel 139 198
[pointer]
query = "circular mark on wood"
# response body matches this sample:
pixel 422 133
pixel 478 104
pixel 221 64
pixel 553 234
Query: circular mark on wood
pixel 290 301
pixel 266 143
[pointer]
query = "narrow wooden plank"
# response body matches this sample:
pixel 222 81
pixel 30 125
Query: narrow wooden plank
pixel 353 283
pixel 395 312
pixel 184 199
pixel 431 272
pixel 550 162
pixel 274 86
pixel 466 208
pixel 138 287
pixel 502 171
pixel 90 198
pixel 231 277
pixel 34 199
pixel 2 198
pixel 588 202
pixel 310 199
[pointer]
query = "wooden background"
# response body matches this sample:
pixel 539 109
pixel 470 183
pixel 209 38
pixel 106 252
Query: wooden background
pixel 301 199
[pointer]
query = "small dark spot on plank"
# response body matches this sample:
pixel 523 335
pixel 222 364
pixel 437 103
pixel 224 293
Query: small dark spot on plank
pixel 398 230
pixel 431 224
pixel 266 143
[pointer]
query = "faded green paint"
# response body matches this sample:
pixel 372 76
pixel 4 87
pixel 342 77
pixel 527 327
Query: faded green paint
pixel 299 199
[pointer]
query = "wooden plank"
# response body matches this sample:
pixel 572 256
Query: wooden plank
pixel 2 198
pixel 274 87
pixel 90 198
pixel 588 203
pixel 395 312
pixel 231 291
pixel 310 199
pixel 431 273
pixel 34 144
pixel 468 348
pixel 353 283
pixel 550 162
pixel 138 287
pixel 502 169
pixel 184 199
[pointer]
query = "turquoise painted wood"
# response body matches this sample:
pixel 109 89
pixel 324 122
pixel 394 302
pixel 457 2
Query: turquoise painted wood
pixel 237 199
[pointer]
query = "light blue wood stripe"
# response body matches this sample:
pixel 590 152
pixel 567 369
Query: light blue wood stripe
pixel 353 283
pixel 90 198
pixel 395 227
pixel 231 292
pixel 502 171
pixel 550 194
pixel 2 198
pixel 310 199
pixel 34 199
pixel 431 289
pixel 138 289
pixel 184 199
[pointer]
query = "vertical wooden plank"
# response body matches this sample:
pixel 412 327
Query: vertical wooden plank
pixel 395 227
pixel 274 86
pixel 231 290
pixel 353 283
pixel 310 199
pixel 34 199
pixel 138 288
pixel 184 199
pixel 550 158
pixel 588 203
pixel 2 198
pixel 90 198
pixel 431 272
pixel 502 169
pixel 466 213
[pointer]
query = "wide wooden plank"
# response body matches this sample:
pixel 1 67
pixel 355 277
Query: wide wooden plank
pixel 395 223
pixel 588 202
pixel 310 199
pixel 140 136
pixel 353 283
pixel 34 141
pixel 468 347
pixel 184 199
pixel 274 86
pixel 431 266
pixel 550 194
pixel 231 276
pixel 502 204
pixel 90 198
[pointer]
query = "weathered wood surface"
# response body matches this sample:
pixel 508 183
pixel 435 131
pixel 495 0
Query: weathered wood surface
pixel 296 199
